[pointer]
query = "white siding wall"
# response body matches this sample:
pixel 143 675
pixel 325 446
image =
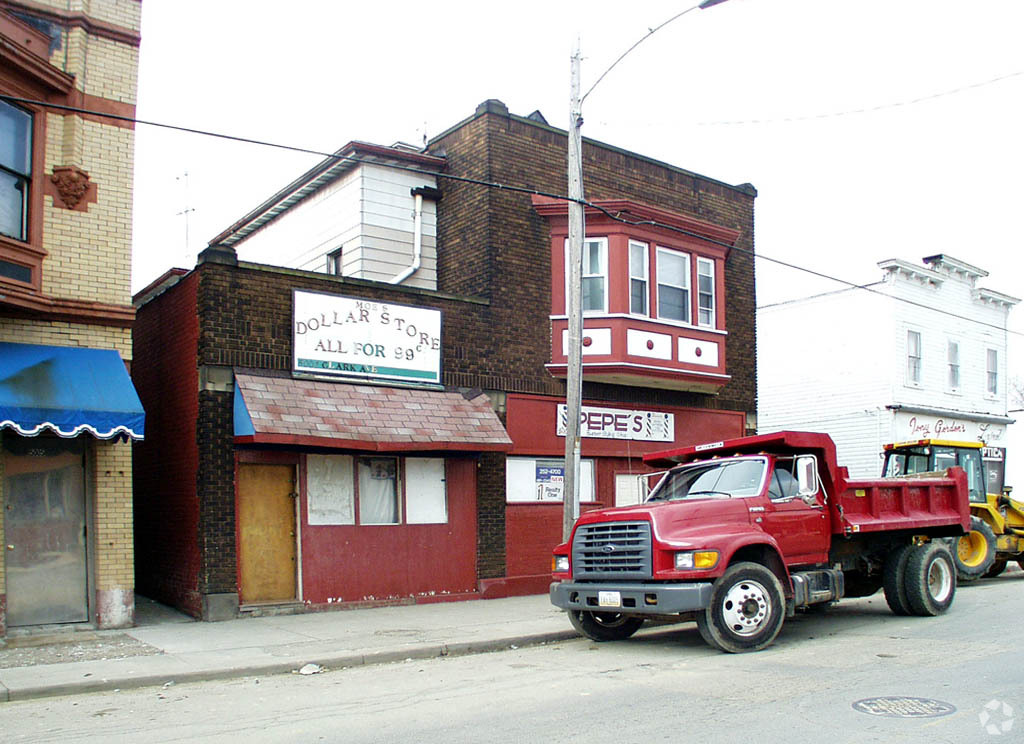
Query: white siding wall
pixel 833 363
pixel 368 213
pixel 823 365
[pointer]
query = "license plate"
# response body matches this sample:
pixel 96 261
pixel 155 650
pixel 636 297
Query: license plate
pixel 609 599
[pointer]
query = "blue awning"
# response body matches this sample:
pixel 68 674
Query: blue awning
pixel 67 390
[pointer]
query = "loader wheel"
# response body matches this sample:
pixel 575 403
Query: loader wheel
pixel 930 579
pixel 974 553
pixel 746 611
pixel 605 626
pixel 996 568
pixel 894 579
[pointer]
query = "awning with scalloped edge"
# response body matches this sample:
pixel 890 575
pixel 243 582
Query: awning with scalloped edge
pixel 69 391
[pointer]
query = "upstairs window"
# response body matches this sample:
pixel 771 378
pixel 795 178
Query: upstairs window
pixel 953 365
pixel 334 262
pixel 914 357
pixel 673 285
pixel 705 293
pixel 595 275
pixel 638 278
pixel 15 170
pixel 991 372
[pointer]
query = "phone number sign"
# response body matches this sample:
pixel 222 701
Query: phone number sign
pixel 350 337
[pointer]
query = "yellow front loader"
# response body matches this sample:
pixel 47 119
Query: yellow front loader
pixel 997 521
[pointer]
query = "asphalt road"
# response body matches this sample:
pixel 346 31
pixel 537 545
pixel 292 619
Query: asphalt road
pixel 854 674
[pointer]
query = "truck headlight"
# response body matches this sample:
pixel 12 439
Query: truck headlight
pixel 700 559
pixel 560 564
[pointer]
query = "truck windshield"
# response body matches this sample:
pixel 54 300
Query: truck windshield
pixel 708 480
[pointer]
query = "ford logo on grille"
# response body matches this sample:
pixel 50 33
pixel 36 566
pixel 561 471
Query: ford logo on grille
pixel 608 549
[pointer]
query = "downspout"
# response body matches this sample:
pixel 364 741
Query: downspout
pixel 417 230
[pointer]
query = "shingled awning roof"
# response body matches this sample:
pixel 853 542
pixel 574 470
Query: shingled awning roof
pixel 282 410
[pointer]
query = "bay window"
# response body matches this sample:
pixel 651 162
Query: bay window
pixel 15 170
pixel 673 269
pixel 638 277
pixel 595 275
pixel 705 293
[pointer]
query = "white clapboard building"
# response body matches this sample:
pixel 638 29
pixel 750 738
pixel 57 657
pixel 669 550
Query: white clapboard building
pixel 919 354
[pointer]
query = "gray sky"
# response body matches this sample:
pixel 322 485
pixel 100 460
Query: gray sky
pixel 872 129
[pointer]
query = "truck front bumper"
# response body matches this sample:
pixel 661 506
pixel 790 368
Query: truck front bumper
pixel 633 599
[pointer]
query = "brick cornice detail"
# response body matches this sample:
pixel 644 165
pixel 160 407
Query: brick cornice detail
pixel 71 188
pixel 72 19
pixel 24 303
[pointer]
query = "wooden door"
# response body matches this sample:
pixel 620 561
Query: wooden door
pixel 266 533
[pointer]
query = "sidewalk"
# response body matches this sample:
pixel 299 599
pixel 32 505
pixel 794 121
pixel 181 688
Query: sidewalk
pixel 183 650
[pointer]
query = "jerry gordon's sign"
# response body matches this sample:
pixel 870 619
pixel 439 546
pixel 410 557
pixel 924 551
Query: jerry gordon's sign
pixel 348 337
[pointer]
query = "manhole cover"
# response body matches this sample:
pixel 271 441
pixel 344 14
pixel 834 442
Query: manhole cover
pixel 903 707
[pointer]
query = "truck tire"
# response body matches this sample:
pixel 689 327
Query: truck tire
pixel 894 579
pixel 746 611
pixel 996 568
pixel 974 553
pixel 605 626
pixel 930 579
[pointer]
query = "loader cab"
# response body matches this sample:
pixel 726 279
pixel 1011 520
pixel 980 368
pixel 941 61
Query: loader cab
pixel 930 455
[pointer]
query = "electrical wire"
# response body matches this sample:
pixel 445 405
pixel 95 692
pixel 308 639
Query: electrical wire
pixel 618 216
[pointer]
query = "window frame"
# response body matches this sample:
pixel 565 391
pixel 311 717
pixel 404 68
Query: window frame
pixel 25 153
pixel 953 379
pixel 27 254
pixel 712 311
pixel 687 305
pixel 991 372
pixel 602 245
pixel 643 277
pixel 915 363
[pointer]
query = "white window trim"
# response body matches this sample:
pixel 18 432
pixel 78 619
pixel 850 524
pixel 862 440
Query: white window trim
pixel 645 278
pixel 710 264
pixel 910 381
pixel 951 363
pixel 661 250
pixel 603 242
pixel 989 351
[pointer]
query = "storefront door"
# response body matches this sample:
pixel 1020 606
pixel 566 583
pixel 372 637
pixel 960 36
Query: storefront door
pixel 266 533
pixel 44 532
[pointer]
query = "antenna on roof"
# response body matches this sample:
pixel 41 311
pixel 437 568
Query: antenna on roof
pixel 185 212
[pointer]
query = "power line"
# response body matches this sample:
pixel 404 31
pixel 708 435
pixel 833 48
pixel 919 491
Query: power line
pixel 619 216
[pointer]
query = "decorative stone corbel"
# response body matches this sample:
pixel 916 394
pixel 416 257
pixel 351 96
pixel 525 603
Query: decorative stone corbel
pixel 71 188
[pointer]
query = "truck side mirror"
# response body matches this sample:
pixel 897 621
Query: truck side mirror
pixel 807 476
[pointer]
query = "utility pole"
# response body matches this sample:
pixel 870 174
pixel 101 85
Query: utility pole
pixel 574 306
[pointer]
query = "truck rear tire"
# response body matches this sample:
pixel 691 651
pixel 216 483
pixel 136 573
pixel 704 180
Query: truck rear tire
pixel 930 579
pixel 894 579
pixel 746 611
pixel 974 553
pixel 605 626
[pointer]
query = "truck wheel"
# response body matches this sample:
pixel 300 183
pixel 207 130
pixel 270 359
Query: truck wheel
pixel 974 552
pixel 996 568
pixel 894 580
pixel 931 579
pixel 746 611
pixel 605 626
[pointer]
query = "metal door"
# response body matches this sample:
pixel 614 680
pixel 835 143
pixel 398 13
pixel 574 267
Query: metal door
pixel 266 533
pixel 44 534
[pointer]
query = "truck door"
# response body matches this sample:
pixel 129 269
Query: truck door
pixel 800 529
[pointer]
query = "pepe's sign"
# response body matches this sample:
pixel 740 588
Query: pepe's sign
pixel 349 337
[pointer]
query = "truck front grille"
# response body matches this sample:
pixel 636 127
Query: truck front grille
pixel 612 550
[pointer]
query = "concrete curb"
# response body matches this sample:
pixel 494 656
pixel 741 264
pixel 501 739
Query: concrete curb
pixel 329 664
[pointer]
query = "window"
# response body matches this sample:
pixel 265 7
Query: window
pixel 595 270
pixel 15 170
pixel 705 292
pixel 953 362
pixel 637 278
pixel 673 285
pixel 914 357
pixel 538 480
pixel 339 486
pixel 992 372
pixel 334 262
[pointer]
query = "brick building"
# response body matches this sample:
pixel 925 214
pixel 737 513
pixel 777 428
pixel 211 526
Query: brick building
pixel 290 417
pixel 67 405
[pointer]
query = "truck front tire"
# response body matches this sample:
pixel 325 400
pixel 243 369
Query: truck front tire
pixel 746 611
pixel 605 626
pixel 930 579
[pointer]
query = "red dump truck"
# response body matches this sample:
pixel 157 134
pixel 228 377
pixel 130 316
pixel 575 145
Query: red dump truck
pixel 740 534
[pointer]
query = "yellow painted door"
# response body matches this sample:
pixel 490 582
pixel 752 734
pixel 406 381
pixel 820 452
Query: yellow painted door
pixel 266 529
